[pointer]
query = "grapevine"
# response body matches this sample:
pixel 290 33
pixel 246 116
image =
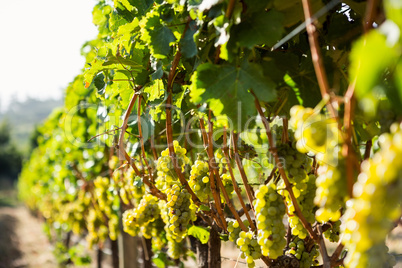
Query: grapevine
pixel 210 120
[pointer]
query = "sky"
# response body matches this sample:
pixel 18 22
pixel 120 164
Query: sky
pixel 40 44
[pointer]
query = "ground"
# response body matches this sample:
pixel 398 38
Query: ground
pixel 22 241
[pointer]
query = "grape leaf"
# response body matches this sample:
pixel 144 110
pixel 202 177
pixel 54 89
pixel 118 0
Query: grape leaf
pixel 157 36
pixel 200 233
pixel 261 28
pixel 226 89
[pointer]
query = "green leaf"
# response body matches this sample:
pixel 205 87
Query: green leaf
pixel 157 36
pixel 367 64
pixel 205 208
pixel 100 84
pixel 201 233
pixel 258 28
pixel 187 44
pixel 226 89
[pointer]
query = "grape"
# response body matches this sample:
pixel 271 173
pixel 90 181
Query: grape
pixel 199 180
pixel 270 209
pixel 228 185
pixel 146 212
pixel 370 215
pixel 306 257
pixel 166 172
pixel 247 243
pixel 332 234
pixel 181 211
pixel 234 229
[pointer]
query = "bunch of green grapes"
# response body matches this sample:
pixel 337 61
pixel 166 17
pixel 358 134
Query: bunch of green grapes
pixel 181 211
pixel 199 180
pixel 103 194
pixel 247 242
pixel 228 185
pixel 234 228
pixel 175 249
pixel 307 258
pixel 305 200
pixel 313 131
pixel 113 162
pixel 270 209
pixel 332 234
pixel 147 211
pixel 97 230
pixel 331 192
pixel 155 230
pixel 376 204
pixel 132 188
pixel 296 164
pixel 166 172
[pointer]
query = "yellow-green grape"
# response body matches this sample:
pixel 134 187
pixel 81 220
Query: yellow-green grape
pixel 129 225
pixel 296 164
pixel 97 231
pixel 331 191
pixel 306 258
pixel 113 225
pixel 133 187
pixel 234 229
pixel 113 162
pixel 147 211
pixel 199 180
pixel 270 209
pixel 181 211
pixel 314 132
pixel 103 194
pixel 332 234
pixel 249 247
pixel 176 249
pixel 305 200
pixel 228 185
pixel 166 172
pixel 376 204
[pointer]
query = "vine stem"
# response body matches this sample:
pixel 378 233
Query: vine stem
pixel 367 150
pixel 249 190
pixel 317 58
pixel 235 186
pixel 282 172
pixel 347 150
pixel 215 193
pixel 218 178
pixel 142 140
pixel 123 153
pixel 124 127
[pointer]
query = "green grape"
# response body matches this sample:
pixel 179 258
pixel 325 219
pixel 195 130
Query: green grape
pixel 304 192
pixel 234 228
pixel 146 212
pixel 331 191
pixel 166 172
pixel 181 211
pixel 199 180
pixel 97 231
pixel 228 185
pixel 332 234
pixel 249 247
pixel 270 209
pixel 314 132
pixel 376 205
pixel 306 257
pixel 176 248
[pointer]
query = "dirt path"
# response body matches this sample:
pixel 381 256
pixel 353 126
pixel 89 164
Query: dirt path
pixel 22 241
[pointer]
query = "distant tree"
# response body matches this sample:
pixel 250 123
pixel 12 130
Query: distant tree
pixel 10 157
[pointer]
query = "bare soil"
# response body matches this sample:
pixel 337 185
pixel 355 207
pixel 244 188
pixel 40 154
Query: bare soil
pixel 22 241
